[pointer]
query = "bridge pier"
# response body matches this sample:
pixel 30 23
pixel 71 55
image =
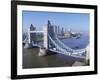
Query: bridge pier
pixel 42 52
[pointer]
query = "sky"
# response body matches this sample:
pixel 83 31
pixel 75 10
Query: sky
pixel 73 21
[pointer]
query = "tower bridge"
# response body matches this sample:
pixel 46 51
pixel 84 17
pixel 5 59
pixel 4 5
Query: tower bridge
pixel 53 43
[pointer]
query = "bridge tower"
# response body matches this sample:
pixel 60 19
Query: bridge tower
pixel 49 29
pixel 31 36
pixel 45 36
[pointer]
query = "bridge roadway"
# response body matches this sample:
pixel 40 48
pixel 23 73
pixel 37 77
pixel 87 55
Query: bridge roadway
pixel 66 50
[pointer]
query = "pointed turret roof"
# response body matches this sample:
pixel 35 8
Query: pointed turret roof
pixel 32 27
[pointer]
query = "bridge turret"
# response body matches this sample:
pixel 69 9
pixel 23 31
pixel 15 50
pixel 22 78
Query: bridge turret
pixel 48 24
pixel 31 36
pixel 32 27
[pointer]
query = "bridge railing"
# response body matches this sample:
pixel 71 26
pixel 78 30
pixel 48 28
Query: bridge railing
pixel 63 51
pixel 68 48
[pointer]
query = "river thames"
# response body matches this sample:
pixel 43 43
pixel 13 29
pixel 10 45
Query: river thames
pixel 79 43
